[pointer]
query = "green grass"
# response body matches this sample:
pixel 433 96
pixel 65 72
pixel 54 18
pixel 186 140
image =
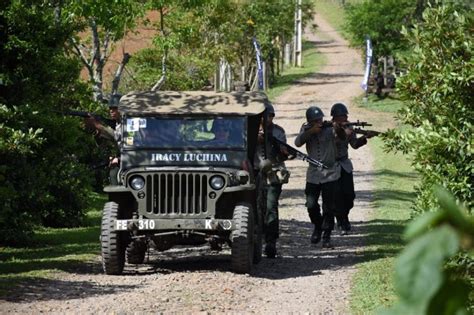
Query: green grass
pixel 312 61
pixel 389 104
pixel 372 286
pixel 333 12
pixel 52 250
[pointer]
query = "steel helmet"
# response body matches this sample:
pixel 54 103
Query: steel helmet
pixel 114 100
pixel 339 109
pixel 270 109
pixel 314 113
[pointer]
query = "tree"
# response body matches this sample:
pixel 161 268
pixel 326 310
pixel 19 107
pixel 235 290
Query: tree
pixel 107 22
pixel 438 113
pixel 196 35
pixel 382 21
pixel 41 178
pixel 438 94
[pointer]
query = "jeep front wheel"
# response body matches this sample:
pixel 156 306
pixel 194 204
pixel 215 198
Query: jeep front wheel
pixel 242 239
pixel 112 242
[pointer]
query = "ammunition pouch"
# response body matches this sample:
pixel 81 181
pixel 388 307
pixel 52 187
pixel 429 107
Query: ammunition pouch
pixel 278 175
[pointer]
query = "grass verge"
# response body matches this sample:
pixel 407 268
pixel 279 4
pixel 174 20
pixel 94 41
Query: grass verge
pixel 52 250
pixel 389 104
pixel 372 285
pixel 312 61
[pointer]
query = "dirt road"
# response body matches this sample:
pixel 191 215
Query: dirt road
pixel 304 278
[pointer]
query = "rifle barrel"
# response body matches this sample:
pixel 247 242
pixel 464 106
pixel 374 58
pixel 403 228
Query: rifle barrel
pixel 297 153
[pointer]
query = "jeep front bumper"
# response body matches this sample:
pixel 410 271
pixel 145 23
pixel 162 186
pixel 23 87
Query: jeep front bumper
pixel 174 224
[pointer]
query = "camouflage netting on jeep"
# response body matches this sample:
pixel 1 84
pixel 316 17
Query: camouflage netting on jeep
pixel 196 102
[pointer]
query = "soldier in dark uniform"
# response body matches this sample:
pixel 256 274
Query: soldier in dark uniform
pixel 275 178
pixel 320 145
pixel 346 194
pixel 108 133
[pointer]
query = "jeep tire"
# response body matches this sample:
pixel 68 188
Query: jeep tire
pixel 242 238
pixel 135 252
pixel 112 242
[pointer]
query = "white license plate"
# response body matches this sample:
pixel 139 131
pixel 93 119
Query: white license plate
pixel 143 224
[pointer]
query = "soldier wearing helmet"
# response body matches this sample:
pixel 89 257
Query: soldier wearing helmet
pixel 346 194
pixel 321 145
pixel 107 132
pixel 274 182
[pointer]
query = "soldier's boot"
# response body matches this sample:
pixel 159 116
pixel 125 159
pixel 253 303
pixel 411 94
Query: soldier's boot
pixel 327 239
pixel 270 249
pixel 346 226
pixel 316 236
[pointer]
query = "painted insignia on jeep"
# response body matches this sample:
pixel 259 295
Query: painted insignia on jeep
pixel 189 157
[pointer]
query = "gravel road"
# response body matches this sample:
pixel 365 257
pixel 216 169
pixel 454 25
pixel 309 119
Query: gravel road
pixel 304 278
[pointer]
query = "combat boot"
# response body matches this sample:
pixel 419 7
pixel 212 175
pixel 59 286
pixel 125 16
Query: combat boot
pixel 327 239
pixel 270 250
pixel 346 226
pixel 316 236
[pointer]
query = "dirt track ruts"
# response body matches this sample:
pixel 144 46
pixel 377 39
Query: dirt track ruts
pixel 304 278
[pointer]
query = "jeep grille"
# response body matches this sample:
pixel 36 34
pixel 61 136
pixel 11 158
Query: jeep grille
pixel 177 193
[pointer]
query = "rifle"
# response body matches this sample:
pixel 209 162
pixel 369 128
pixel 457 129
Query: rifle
pixel 367 132
pixel 328 123
pixel 77 113
pixel 294 153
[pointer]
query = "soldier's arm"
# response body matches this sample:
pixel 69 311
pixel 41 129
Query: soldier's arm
pixel 358 142
pixel 279 133
pixel 306 133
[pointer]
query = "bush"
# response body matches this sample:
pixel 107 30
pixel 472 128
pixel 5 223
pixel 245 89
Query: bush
pixel 438 94
pixel 41 178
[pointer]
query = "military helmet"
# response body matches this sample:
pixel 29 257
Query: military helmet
pixel 114 100
pixel 314 113
pixel 339 109
pixel 270 109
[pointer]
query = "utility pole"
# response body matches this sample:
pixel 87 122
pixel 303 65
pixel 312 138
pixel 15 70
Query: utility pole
pixel 298 35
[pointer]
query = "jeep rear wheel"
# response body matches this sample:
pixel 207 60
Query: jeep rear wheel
pixel 112 242
pixel 242 239
pixel 135 252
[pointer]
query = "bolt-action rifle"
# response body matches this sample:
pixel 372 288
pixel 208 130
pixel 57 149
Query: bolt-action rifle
pixel 372 133
pixel 109 122
pixel 294 153
pixel 327 124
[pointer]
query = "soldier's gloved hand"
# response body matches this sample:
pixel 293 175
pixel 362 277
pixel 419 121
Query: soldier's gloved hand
pixel 315 128
pixel 91 123
pixel 113 161
pixel 284 151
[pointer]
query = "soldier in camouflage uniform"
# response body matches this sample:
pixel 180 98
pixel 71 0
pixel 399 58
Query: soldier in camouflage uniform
pixel 276 177
pixel 321 145
pixel 346 194
pixel 106 132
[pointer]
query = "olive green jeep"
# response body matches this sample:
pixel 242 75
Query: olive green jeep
pixel 186 177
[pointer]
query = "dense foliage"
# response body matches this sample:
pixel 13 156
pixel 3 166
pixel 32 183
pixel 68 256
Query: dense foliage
pixel 439 98
pixel 41 180
pixel 382 21
pixel 439 114
pixel 422 284
pixel 195 35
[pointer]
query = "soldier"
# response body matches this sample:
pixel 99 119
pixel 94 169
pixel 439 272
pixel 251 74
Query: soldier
pixel 346 194
pixel 321 145
pixel 276 177
pixel 106 132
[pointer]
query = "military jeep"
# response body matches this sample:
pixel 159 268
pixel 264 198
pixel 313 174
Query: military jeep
pixel 186 177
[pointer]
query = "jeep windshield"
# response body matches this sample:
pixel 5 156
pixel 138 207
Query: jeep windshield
pixel 177 132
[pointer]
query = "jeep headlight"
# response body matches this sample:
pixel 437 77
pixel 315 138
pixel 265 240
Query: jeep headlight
pixel 137 182
pixel 217 182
